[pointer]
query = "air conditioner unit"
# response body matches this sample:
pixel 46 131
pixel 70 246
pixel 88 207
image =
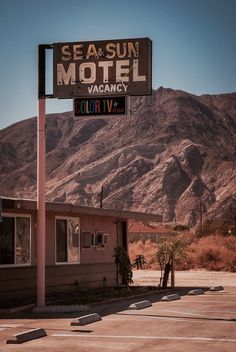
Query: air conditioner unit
pixel 100 239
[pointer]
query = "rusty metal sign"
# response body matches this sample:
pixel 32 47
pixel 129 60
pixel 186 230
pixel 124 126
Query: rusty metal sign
pixel 102 68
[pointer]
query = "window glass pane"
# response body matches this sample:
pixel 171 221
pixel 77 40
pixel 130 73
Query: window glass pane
pixel 7 239
pixel 61 240
pixel 22 240
pixel 73 240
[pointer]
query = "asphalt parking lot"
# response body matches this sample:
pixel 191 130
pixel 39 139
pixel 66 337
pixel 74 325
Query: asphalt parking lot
pixel 205 322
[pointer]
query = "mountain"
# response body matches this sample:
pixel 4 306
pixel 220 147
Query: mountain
pixel 175 154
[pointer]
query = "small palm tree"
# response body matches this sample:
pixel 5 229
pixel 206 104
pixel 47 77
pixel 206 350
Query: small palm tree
pixel 169 252
pixel 139 261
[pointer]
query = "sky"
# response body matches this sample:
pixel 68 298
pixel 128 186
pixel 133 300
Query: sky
pixel 193 44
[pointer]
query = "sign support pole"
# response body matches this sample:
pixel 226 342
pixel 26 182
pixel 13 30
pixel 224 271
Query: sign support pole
pixel 41 152
pixel 41 203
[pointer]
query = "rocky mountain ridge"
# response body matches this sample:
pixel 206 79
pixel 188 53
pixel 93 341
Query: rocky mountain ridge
pixel 175 154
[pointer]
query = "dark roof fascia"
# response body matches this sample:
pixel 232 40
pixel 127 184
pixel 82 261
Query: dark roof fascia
pixel 26 204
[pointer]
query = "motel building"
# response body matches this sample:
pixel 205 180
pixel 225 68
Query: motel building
pixel 80 244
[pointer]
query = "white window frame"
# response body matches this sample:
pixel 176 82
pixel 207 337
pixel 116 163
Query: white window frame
pixel 17 215
pixel 79 239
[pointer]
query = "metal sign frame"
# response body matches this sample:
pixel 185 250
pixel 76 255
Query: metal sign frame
pixel 102 68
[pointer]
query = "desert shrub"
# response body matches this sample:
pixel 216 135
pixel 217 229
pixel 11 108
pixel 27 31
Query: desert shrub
pixel 209 258
pixel 139 261
pixel 230 243
pixel 213 252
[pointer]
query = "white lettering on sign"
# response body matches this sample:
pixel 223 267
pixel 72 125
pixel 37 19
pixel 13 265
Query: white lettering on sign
pixel 108 88
pixel 89 68
pixel 65 77
pixel 105 65
pixel 77 52
pixel 88 72
pixel 113 50
pixel 136 77
pixel 122 70
pixel 66 55
pixel 91 52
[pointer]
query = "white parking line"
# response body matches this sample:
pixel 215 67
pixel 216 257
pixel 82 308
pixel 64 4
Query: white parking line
pixel 183 319
pixel 224 311
pixel 155 318
pixel 209 301
pixel 199 338
pixel 205 311
pixel 195 314
pixel 177 312
pixel 218 293
pixel 10 325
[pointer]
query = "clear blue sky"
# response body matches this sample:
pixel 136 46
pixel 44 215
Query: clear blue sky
pixel 194 43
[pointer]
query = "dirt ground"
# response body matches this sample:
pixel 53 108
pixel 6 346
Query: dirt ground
pixel 197 278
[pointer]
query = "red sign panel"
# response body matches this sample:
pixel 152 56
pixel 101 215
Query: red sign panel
pixel 101 68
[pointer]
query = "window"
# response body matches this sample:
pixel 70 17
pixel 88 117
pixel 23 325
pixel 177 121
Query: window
pixel 15 237
pixel 100 239
pixel 67 240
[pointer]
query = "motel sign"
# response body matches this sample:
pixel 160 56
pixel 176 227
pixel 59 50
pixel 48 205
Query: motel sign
pixel 87 72
pixel 102 68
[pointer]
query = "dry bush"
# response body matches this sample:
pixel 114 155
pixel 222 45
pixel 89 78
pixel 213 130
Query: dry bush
pixel 213 252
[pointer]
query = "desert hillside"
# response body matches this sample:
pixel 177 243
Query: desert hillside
pixel 175 154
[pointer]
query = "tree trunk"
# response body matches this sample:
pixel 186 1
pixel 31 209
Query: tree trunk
pixel 172 274
pixel 166 275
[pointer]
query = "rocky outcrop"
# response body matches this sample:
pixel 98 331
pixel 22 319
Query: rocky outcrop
pixel 174 153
